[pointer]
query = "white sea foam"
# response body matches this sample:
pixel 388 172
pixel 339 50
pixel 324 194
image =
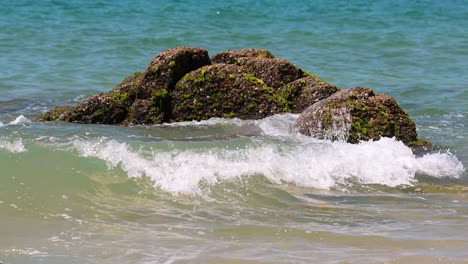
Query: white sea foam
pixel 21 252
pixel 208 122
pixel 324 165
pixel 16 146
pixel 20 120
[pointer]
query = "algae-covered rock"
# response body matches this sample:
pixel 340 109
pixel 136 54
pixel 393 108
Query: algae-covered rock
pixel 356 114
pixel 56 113
pixel 261 63
pixel 305 92
pixel 181 84
pixel 224 90
pixel 273 71
pixel 149 111
pixel 231 56
pixel 167 68
pixel 142 98
pixel 104 108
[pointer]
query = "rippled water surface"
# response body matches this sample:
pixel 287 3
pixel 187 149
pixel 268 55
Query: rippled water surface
pixel 231 191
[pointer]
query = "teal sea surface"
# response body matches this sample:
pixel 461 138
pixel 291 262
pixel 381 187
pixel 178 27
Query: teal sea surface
pixel 230 190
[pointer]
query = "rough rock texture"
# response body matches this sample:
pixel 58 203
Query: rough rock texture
pixel 305 92
pixel 167 68
pixel 56 113
pixel 102 108
pixel 231 56
pixel 273 71
pixel 356 114
pixel 182 84
pixel 224 90
pixel 142 98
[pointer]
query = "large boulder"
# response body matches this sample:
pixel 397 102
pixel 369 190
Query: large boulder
pixel 142 98
pixel 182 84
pixel 305 92
pixel 224 90
pixel 356 114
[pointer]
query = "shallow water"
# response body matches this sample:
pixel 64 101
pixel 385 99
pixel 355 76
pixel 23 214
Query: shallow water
pixel 231 191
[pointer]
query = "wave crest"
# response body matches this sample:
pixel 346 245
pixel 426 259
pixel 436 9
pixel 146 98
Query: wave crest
pixel 323 166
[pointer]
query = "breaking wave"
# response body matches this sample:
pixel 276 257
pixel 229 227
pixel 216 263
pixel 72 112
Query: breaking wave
pixel 15 146
pixel 321 165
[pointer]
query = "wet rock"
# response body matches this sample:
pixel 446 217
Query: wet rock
pixel 273 71
pixel 181 84
pixel 56 113
pixel 224 90
pixel 305 92
pixel 356 114
pixel 142 98
pixel 167 68
pixel 261 63
pixel 231 56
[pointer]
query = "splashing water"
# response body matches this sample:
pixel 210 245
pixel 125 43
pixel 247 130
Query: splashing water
pixel 323 165
pixel 16 146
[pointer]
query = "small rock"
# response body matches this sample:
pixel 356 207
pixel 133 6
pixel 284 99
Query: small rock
pixel 231 56
pixel 356 114
pixel 305 92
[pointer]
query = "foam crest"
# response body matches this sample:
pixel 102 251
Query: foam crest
pixel 324 165
pixel 20 120
pixel 277 125
pixel 16 146
pixel 209 122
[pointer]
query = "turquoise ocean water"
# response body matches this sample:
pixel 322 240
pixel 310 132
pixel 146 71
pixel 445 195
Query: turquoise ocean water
pixel 231 191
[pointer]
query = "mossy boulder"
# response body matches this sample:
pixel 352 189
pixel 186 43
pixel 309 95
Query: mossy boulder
pixel 224 90
pixel 150 111
pixel 56 113
pixel 305 92
pixel 231 56
pixel 182 84
pixel 102 108
pixel 167 68
pixel 142 98
pixel 273 71
pixel 356 114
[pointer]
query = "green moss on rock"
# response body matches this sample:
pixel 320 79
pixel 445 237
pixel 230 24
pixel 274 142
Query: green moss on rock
pixel 231 56
pixel 171 66
pixel 357 114
pixel 305 92
pixel 56 113
pixel 274 72
pixel 181 84
pixel 230 92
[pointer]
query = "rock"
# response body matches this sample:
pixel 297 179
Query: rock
pixel 231 56
pixel 56 113
pixel 181 84
pixel 356 114
pixel 305 92
pixel 167 68
pixel 103 108
pixel 274 72
pixel 224 90
pixel 261 63
pixel 142 98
